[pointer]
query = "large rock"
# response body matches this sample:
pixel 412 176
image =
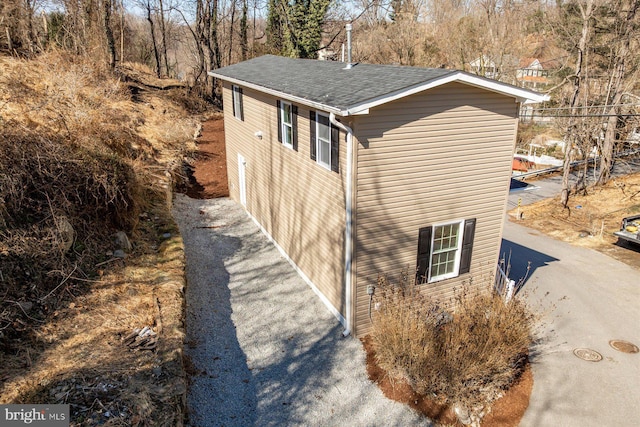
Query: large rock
pixel 122 242
pixel 66 233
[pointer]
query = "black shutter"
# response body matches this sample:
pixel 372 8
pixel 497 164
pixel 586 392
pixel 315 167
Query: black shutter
pixel 335 149
pixel 467 245
pixel 294 126
pixel 312 132
pixel 233 100
pixel 424 253
pixel 241 107
pixel 278 105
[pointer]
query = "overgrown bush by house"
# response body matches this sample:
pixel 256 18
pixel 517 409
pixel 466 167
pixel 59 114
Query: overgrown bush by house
pixel 463 353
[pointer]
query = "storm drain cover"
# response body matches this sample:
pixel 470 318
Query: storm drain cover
pixel 624 346
pixel 587 354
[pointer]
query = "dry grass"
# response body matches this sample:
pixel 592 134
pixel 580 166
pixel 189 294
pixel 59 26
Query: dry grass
pixel 463 357
pixel 591 218
pixel 80 158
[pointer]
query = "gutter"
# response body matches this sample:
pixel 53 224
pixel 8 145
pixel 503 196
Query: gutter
pixel 348 234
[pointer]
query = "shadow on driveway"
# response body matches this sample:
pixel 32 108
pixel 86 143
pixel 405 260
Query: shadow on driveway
pixel 265 350
pixel 521 258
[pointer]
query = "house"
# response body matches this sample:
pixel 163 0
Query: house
pixel 357 170
pixel 532 73
pixel 484 66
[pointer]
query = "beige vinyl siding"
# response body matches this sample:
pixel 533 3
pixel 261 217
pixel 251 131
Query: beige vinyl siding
pixel 298 202
pixel 439 156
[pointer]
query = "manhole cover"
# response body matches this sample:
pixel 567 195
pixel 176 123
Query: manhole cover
pixel 624 346
pixel 587 354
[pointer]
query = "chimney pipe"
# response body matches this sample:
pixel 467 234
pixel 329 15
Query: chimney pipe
pixel 349 27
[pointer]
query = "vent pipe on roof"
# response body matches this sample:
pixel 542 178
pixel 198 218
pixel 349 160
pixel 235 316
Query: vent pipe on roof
pixel 349 65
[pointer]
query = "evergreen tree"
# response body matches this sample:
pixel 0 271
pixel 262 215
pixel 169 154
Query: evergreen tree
pixel 294 28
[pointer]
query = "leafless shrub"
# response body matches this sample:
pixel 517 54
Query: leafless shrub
pixel 464 357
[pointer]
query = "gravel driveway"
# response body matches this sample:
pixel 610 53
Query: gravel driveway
pixel 265 350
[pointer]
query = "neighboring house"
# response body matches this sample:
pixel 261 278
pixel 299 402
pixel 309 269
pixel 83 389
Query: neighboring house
pixel 484 66
pixel 327 54
pixel 362 171
pixel 532 73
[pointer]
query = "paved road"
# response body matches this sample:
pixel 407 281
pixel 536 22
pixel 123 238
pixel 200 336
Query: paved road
pixel 596 299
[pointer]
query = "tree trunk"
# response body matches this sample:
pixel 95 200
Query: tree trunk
pixel 572 131
pixel 111 43
pixel 121 31
pixel 213 45
pixel 244 46
pixel 616 90
pixel 163 35
pixel 233 17
pixel 153 38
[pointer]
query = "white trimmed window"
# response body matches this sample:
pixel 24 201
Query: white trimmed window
pixel 444 250
pixel 236 95
pixel 323 140
pixel 286 123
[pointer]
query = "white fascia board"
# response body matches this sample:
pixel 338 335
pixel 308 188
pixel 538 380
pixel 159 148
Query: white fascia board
pixel 279 94
pixel 521 95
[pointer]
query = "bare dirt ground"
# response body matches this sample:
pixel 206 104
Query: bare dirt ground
pixel 591 218
pixel 208 179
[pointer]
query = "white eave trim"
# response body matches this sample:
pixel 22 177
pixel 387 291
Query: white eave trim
pixel 278 94
pixel 521 95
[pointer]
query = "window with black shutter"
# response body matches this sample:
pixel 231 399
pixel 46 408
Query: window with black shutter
pixel 444 250
pixel 236 95
pixel 325 141
pixel 287 124
pixel 312 132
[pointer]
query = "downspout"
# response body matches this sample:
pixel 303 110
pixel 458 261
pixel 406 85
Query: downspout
pixel 348 237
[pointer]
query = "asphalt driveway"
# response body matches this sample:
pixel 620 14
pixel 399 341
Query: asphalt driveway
pixel 587 299
pixel 264 350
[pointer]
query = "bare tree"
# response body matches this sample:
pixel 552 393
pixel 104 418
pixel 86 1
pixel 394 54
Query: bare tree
pixel 111 43
pixel 624 30
pixel 244 43
pixel 163 35
pixel 148 7
pixel 573 132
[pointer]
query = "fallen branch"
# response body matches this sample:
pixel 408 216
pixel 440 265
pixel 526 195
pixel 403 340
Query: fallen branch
pixel 107 261
pixel 61 283
pixel 25 313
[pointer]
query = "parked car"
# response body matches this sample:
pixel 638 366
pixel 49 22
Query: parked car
pixel 630 229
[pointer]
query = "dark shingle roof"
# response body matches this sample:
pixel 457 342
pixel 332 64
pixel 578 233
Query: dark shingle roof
pixel 327 82
pixel 330 85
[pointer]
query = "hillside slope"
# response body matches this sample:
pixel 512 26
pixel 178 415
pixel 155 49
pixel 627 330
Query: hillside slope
pixel 89 253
